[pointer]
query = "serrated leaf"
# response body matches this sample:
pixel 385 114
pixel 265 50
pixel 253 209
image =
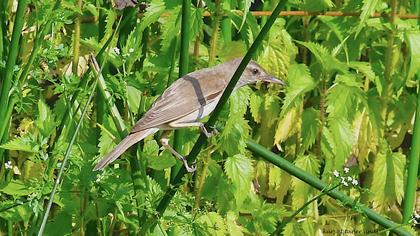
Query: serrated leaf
pixel 325 57
pixel 211 224
pixel 388 176
pixel 310 128
pixel 20 144
pixel 343 97
pixel 247 5
pixel 256 105
pixel 286 127
pixel 279 50
pixel 269 119
pixel 15 188
pixel 300 82
pixel 301 190
pixel 232 227
pixel 342 140
pixel 234 135
pixel 240 171
pixel 45 121
pixel 368 8
pixel 133 98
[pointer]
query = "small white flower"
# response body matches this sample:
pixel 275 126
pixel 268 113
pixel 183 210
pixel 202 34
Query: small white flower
pixel 349 178
pixel 117 51
pixel 336 174
pixel 345 183
pixel 416 215
pixel 8 165
pixel 355 182
pixel 131 50
pixel 346 170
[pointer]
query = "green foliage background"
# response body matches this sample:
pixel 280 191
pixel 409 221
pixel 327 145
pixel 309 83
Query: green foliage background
pixel 351 98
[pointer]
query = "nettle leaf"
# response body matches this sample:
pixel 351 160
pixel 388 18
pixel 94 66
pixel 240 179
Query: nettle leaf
pixel 236 130
pixel 238 101
pixel 45 121
pixel 110 18
pixel 23 143
pixel 269 119
pixel 171 28
pixel 197 22
pixel 15 188
pixel 368 8
pixel 287 126
pixel 278 51
pixel 232 227
pixel 247 5
pixel 210 224
pixel 388 176
pixel 310 128
pixel 153 13
pixel 240 171
pixel 300 82
pixel 256 103
pixel 343 96
pixel 325 57
pixel 413 41
pixel 106 140
pixel 342 139
pixel 301 190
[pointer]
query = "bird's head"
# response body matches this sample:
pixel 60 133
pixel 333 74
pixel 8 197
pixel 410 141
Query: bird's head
pixel 254 73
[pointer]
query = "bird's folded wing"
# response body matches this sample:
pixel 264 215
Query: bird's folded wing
pixel 186 95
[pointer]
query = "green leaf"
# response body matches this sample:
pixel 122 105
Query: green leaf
pixel 286 127
pixel 279 51
pixel 256 106
pixel 368 8
pixel 134 97
pixel 413 41
pixel 45 121
pixel 232 227
pixel 247 5
pixel 15 188
pixel 388 176
pixel 240 171
pixel 300 82
pixel 310 128
pixel 343 97
pixel 342 139
pixel 325 57
pixel 211 224
pixel 301 190
pixel 21 144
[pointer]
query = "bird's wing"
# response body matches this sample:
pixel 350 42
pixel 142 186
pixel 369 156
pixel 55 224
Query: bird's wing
pixel 186 95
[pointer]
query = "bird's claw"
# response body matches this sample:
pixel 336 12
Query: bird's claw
pixel 191 169
pixel 208 134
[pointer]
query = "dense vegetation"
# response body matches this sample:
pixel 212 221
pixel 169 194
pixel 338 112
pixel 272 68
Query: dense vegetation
pixel 346 116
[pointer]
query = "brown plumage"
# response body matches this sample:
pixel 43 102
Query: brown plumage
pixel 186 102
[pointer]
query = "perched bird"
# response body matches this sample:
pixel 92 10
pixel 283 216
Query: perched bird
pixel 186 102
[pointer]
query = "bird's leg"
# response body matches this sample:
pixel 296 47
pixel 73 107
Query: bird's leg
pixel 197 124
pixel 165 143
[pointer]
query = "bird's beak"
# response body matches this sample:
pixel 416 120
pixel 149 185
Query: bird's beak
pixel 272 79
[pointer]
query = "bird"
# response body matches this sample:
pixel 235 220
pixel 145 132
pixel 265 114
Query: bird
pixel 185 102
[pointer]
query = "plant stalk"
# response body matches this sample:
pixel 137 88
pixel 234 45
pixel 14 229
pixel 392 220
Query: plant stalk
pixel 320 185
pixel 413 165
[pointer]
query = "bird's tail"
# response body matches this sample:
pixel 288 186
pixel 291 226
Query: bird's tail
pixel 127 142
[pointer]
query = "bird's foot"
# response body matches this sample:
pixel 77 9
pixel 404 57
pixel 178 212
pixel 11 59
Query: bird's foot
pixel 191 168
pixel 165 144
pixel 208 134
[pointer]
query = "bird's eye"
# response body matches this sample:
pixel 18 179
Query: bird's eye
pixel 255 71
